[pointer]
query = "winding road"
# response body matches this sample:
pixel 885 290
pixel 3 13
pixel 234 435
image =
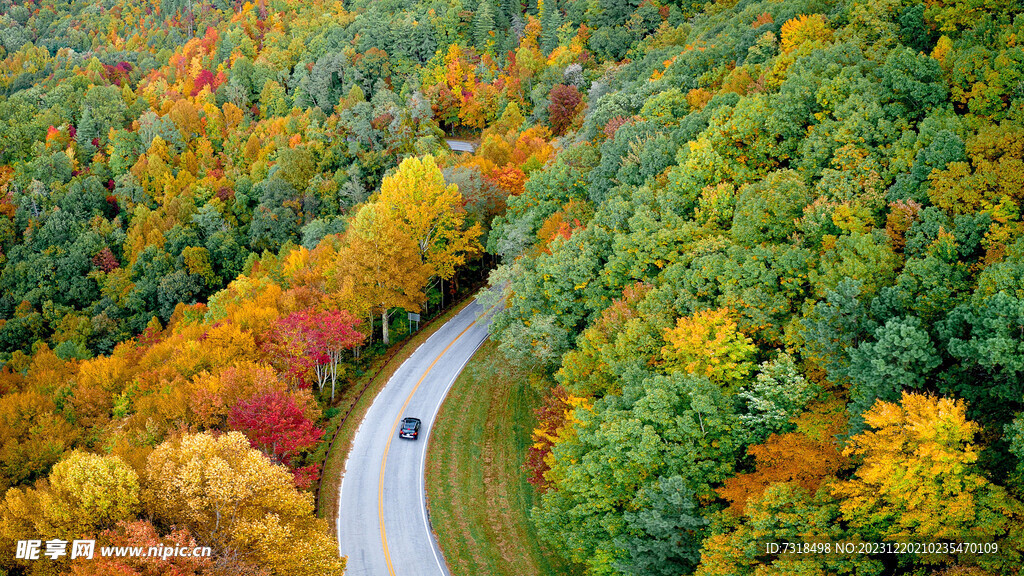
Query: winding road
pixel 383 526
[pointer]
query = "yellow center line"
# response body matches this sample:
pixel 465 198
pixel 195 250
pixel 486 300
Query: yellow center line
pixel 387 447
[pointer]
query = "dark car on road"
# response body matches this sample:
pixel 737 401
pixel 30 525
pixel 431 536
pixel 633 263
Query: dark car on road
pixel 410 428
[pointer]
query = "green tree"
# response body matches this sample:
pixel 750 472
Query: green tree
pixel 1015 435
pixel 778 393
pixel 984 340
pixel 911 81
pixel 550 298
pixel 664 536
pixel 295 166
pixel 275 220
pixel 835 324
pixel 859 256
pixel 901 357
pixel 678 426
pixel 483 26
pixel 550 21
pixel 767 210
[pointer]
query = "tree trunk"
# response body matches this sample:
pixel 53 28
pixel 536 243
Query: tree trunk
pixel 321 375
pixel 335 356
pixel 384 327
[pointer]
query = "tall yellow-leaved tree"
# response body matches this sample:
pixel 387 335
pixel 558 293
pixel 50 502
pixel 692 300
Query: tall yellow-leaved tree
pixel 236 500
pixel 919 476
pixel 431 213
pixel 710 344
pixel 379 266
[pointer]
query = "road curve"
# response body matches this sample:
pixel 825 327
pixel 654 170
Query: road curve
pixel 383 527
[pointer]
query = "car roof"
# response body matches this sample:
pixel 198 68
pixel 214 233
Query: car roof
pixel 411 421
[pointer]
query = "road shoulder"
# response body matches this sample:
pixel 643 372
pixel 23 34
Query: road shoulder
pixel 478 496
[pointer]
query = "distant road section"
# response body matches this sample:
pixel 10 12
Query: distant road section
pixel 383 526
pixel 461 145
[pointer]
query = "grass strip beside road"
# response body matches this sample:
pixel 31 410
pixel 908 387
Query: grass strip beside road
pixel 334 464
pixel 477 491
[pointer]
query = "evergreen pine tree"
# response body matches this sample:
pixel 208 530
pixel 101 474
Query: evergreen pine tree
pixel 483 25
pixel 550 21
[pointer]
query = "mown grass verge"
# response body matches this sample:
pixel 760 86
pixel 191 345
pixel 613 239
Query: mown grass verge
pixel 373 380
pixel 477 491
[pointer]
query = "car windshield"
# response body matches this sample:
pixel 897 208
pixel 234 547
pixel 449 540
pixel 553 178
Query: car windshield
pixel 409 424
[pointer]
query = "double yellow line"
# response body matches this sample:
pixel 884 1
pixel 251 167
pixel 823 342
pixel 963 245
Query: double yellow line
pixel 387 447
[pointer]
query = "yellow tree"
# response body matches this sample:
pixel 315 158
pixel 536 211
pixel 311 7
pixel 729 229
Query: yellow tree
pixel 251 302
pixel 379 267
pixel 431 213
pixel 230 495
pixel 21 518
pixel 97 382
pixel 85 493
pixel 805 29
pixel 708 343
pixel 919 476
pixel 88 491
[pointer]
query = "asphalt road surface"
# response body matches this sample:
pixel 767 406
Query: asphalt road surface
pixel 382 517
pixel 460 145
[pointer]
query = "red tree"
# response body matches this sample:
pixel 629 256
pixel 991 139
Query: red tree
pixel 309 339
pixel 306 476
pixel 203 79
pixel 552 415
pixel 286 350
pixel 565 104
pixel 613 126
pixel 105 260
pixel 275 424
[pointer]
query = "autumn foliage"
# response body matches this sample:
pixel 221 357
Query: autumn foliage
pixel 276 424
pixel 770 255
pixel 791 458
pixel 553 418
pixel 709 343
pixel 566 103
pixel 309 340
pixel 804 28
pixel 927 443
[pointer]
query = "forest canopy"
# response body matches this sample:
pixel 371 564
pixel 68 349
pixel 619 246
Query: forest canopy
pixel 763 260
